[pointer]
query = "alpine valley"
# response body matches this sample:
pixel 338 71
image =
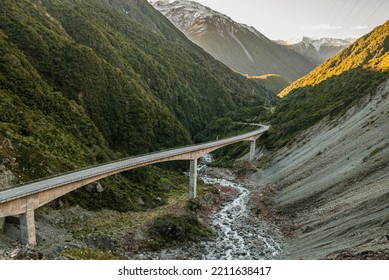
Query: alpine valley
pixel 89 82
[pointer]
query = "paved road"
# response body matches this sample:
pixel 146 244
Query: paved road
pixel 75 176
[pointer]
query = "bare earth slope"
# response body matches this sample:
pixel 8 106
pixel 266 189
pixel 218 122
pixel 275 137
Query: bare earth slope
pixel 333 183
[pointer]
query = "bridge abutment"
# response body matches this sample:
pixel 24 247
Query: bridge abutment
pixel 193 178
pixel 27 228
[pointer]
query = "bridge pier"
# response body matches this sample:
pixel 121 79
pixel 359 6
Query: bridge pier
pixel 25 199
pixel 252 150
pixel 193 178
pixel 27 228
pixel 2 225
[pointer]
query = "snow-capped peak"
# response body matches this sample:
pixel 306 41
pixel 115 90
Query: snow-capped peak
pixel 317 50
pixel 162 1
pixel 186 15
pixel 292 41
pixel 194 18
pixel 315 42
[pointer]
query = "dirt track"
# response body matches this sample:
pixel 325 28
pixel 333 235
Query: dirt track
pixel 333 184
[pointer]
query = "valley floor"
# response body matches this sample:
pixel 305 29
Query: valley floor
pixel 71 232
pixel 328 193
pixel 332 185
pixel 239 232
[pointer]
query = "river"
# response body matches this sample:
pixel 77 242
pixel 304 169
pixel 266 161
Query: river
pixel 239 234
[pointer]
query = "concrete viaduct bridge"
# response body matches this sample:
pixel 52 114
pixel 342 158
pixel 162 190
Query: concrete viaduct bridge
pixel 25 199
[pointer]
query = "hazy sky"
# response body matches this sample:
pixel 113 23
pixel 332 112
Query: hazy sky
pixel 285 19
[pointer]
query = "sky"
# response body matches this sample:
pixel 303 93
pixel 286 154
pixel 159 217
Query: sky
pixel 286 19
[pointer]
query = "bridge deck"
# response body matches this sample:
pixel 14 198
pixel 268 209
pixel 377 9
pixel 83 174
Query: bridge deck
pixel 142 160
pixel 25 199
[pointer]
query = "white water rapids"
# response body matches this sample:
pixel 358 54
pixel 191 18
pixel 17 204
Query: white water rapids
pixel 239 234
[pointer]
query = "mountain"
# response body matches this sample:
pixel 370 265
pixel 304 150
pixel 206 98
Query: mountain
pixel 317 50
pixel 334 86
pixel 327 178
pixel 330 185
pixel 239 46
pixel 84 82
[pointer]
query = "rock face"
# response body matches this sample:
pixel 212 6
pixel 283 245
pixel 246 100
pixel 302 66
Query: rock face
pixel 333 182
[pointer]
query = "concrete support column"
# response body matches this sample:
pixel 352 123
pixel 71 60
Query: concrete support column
pixel 193 178
pixel 252 150
pixel 2 225
pixel 27 228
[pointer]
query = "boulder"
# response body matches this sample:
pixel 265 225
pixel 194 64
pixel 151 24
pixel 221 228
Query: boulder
pixel 26 253
pixel 140 201
pixel 89 188
pixel 99 188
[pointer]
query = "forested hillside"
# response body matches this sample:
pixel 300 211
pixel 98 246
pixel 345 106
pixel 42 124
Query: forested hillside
pixel 333 87
pixel 83 82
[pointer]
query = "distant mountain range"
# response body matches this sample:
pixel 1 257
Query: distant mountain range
pixel 239 46
pixel 317 50
pixel 368 54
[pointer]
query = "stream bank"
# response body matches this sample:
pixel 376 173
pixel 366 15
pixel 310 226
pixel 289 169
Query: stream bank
pixel 239 232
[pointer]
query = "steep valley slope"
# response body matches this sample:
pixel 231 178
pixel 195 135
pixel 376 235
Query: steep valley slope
pixel 332 184
pixel 86 82
pixel 329 175
pixel 239 46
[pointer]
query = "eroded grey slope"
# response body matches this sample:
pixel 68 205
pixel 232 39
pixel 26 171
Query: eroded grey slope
pixel 334 182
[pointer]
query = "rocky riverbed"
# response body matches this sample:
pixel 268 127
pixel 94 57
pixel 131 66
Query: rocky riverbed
pixel 239 233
